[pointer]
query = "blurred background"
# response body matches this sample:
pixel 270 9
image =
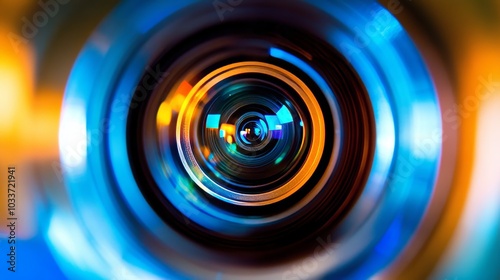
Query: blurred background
pixel 459 40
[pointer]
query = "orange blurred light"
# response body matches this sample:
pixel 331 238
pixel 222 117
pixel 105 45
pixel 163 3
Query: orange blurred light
pixel 173 104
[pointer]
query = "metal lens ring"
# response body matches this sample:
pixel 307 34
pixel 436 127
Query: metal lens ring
pixel 247 121
pixel 235 192
pixel 264 140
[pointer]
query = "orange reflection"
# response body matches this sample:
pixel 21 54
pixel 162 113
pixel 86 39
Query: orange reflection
pixel 172 104
pixel 475 54
pixel 16 80
pixel 28 126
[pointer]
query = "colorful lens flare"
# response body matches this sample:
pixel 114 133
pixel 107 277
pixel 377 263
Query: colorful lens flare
pixel 250 139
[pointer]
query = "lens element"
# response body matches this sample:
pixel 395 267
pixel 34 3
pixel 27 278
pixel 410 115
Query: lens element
pixel 245 133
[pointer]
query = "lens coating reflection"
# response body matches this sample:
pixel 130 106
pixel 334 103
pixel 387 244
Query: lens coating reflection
pixel 200 218
pixel 228 159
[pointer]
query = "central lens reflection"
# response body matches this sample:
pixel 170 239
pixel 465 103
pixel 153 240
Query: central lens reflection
pixel 251 135
pixel 253 132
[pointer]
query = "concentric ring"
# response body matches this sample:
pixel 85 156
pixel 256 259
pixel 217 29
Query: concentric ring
pixel 190 173
pixel 146 194
pixel 199 92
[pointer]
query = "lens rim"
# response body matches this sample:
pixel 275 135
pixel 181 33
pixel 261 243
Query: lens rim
pixel 208 185
pixel 130 52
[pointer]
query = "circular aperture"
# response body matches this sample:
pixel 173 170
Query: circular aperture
pixel 287 138
pixel 218 154
pixel 248 144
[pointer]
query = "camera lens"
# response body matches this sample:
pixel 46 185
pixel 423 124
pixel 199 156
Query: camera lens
pixel 256 141
pixel 253 137
pixel 248 135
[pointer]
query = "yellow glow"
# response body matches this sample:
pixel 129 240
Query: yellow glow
pixel 180 95
pixel 172 104
pixel 229 129
pixel 176 101
pixel 476 64
pixel 16 92
pixel 480 77
pixel 164 115
pixel 206 152
pixel 44 119
pixel 482 209
pixel 16 84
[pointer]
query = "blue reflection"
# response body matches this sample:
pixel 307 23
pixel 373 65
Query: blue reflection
pixel 399 87
pixel 284 115
pixel 389 241
pixel 213 121
pixel 273 122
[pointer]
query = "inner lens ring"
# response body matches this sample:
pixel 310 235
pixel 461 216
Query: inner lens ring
pixel 184 137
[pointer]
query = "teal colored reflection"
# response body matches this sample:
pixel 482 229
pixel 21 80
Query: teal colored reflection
pixel 284 115
pixel 273 122
pixel 213 121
